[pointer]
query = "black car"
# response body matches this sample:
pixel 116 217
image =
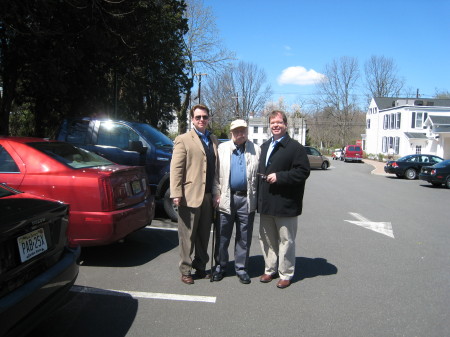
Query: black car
pixel 37 268
pixel 409 166
pixel 437 174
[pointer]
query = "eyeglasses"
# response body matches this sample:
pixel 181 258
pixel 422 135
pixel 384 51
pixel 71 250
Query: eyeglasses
pixel 204 117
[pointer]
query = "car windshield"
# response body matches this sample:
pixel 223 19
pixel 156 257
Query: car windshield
pixel 70 155
pixel 4 192
pixel 444 163
pixel 153 135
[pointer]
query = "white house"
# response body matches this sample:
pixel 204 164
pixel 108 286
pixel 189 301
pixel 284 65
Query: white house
pixel 259 132
pixel 408 125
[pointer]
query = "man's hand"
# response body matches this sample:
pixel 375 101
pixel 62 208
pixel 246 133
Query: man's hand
pixel 271 178
pixel 176 201
pixel 216 201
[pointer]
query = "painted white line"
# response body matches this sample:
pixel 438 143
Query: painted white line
pixel 146 295
pixel 384 228
pixel 162 228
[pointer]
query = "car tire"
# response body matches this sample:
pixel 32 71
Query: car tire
pixel 169 207
pixel 411 174
pixel 447 182
pixel 324 165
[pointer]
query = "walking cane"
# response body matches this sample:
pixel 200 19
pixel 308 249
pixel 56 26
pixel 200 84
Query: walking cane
pixel 211 279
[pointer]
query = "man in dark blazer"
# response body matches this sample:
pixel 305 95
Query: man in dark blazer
pixel 284 168
pixel 193 177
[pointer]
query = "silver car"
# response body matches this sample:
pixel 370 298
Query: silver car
pixel 316 159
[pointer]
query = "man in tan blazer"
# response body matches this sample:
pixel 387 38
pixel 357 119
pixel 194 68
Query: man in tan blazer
pixel 193 175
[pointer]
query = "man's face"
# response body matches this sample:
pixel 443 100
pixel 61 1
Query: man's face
pixel 277 127
pixel 200 120
pixel 239 135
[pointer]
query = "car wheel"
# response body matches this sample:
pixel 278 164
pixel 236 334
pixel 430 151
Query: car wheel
pixel 447 182
pixel 324 165
pixel 411 174
pixel 169 207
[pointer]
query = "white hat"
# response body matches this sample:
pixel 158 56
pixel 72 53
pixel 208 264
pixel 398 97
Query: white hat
pixel 238 123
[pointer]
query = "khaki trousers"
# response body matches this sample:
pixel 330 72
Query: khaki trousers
pixel 194 227
pixel 277 238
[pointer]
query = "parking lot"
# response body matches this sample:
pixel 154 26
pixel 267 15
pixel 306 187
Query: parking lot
pixel 351 280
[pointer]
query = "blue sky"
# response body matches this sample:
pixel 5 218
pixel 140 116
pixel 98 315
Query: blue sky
pixel 300 37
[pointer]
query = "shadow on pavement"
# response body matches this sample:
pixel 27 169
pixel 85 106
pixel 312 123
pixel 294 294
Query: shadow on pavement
pixel 138 248
pixel 91 315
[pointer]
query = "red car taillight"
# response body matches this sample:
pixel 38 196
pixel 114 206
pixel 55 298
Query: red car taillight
pixel 433 172
pixel 106 194
pixel 394 164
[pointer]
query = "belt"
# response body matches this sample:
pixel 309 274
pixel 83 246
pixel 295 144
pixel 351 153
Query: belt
pixel 239 193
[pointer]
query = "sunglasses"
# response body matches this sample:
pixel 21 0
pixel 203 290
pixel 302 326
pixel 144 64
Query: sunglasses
pixel 205 118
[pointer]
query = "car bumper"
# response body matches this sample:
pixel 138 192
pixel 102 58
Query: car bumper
pixel 389 169
pixel 101 228
pixel 431 179
pixel 25 307
pixel 353 158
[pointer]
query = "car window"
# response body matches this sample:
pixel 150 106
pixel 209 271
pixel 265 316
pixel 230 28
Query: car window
pixel 115 134
pixel 7 164
pixel 156 137
pixel 424 159
pixel 412 159
pixel 357 148
pixel 314 152
pixel 77 132
pixel 435 159
pixel 70 155
pixel 308 150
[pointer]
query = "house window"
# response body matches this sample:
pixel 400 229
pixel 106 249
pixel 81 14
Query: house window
pixel 296 130
pixel 368 124
pixel 265 129
pixel 255 141
pixel 392 121
pixel 398 116
pixel 386 122
pixel 419 117
pixel 397 145
pixel 418 149
pixel 255 129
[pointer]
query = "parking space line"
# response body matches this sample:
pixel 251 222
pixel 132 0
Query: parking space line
pixel 146 295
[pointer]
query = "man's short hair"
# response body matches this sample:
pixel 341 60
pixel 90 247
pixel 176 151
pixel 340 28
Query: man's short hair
pixel 275 113
pixel 201 107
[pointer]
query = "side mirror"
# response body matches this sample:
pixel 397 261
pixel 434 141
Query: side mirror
pixel 136 145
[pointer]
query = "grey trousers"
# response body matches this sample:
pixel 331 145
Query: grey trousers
pixel 194 227
pixel 244 231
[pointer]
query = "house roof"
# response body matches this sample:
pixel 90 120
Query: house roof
pixel 415 135
pixel 391 102
pixel 439 120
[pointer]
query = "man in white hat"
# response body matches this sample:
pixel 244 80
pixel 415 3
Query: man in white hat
pixel 239 159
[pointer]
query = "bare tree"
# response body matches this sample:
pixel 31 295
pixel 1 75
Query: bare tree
pixel 237 92
pixel 204 52
pixel 337 95
pixel 381 77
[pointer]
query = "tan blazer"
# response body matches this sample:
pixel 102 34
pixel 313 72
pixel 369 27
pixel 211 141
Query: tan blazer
pixel 188 169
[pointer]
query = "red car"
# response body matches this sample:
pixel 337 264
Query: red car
pixel 107 201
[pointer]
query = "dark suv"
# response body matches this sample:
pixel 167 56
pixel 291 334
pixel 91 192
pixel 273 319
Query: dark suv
pixel 126 143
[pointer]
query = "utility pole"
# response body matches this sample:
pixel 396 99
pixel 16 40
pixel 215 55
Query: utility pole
pixel 199 85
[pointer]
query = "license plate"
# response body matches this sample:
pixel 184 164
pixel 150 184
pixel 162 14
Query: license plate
pixel 32 244
pixel 136 186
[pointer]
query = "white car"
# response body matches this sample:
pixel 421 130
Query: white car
pixel 337 154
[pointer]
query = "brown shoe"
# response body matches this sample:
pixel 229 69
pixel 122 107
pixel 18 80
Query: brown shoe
pixel 283 284
pixel 266 278
pixel 187 279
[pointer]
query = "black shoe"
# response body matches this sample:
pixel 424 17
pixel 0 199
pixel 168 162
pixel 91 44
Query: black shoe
pixel 218 276
pixel 244 278
pixel 201 274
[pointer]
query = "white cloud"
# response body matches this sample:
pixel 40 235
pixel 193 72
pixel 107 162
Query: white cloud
pixel 299 76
